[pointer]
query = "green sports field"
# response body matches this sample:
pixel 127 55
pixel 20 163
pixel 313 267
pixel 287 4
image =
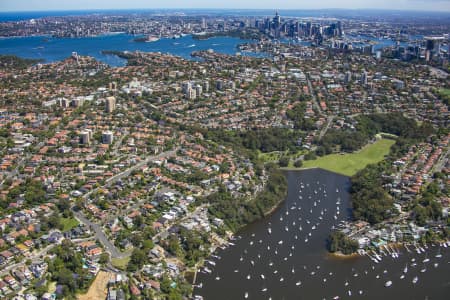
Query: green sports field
pixel 349 164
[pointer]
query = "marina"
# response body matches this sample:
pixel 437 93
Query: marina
pixel 291 262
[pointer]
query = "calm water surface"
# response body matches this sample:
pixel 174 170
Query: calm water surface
pixel 55 49
pixel 291 261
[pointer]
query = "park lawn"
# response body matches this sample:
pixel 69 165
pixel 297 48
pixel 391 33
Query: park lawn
pixel 445 92
pixel 275 155
pixel 270 156
pixel 350 164
pixel 69 223
pixel 120 263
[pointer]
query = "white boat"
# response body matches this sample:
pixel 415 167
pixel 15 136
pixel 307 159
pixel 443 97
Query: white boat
pixel 405 270
pixel 388 283
pixel 217 278
pixel 298 283
pixel 415 279
pixel 269 230
pixel 262 276
pixel 264 290
pixel 281 279
pixel 248 277
pixel 246 295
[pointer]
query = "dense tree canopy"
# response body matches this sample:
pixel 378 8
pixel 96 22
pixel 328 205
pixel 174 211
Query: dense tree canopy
pixel 237 212
pixel 67 270
pixel 367 126
pixel 337 241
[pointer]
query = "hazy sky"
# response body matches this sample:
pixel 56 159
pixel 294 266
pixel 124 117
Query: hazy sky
pixel 28 5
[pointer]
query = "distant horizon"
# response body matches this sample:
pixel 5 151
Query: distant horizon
pixel 225 9
pixel 355 5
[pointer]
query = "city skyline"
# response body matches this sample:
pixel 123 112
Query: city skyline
pixel 34 5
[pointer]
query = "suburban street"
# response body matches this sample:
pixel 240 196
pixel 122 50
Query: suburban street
pixel 98 230
pixel 325 128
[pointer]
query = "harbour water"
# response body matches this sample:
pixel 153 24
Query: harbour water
pixel 284 255
pixel 51 49
pixel 55 49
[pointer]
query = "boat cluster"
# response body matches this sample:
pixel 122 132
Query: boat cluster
pixel 271 254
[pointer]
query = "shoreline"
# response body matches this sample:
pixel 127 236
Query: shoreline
pixel 273 208
pixel 340 255
pixel 311 168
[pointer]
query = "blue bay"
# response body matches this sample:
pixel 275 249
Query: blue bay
pixel 54 49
